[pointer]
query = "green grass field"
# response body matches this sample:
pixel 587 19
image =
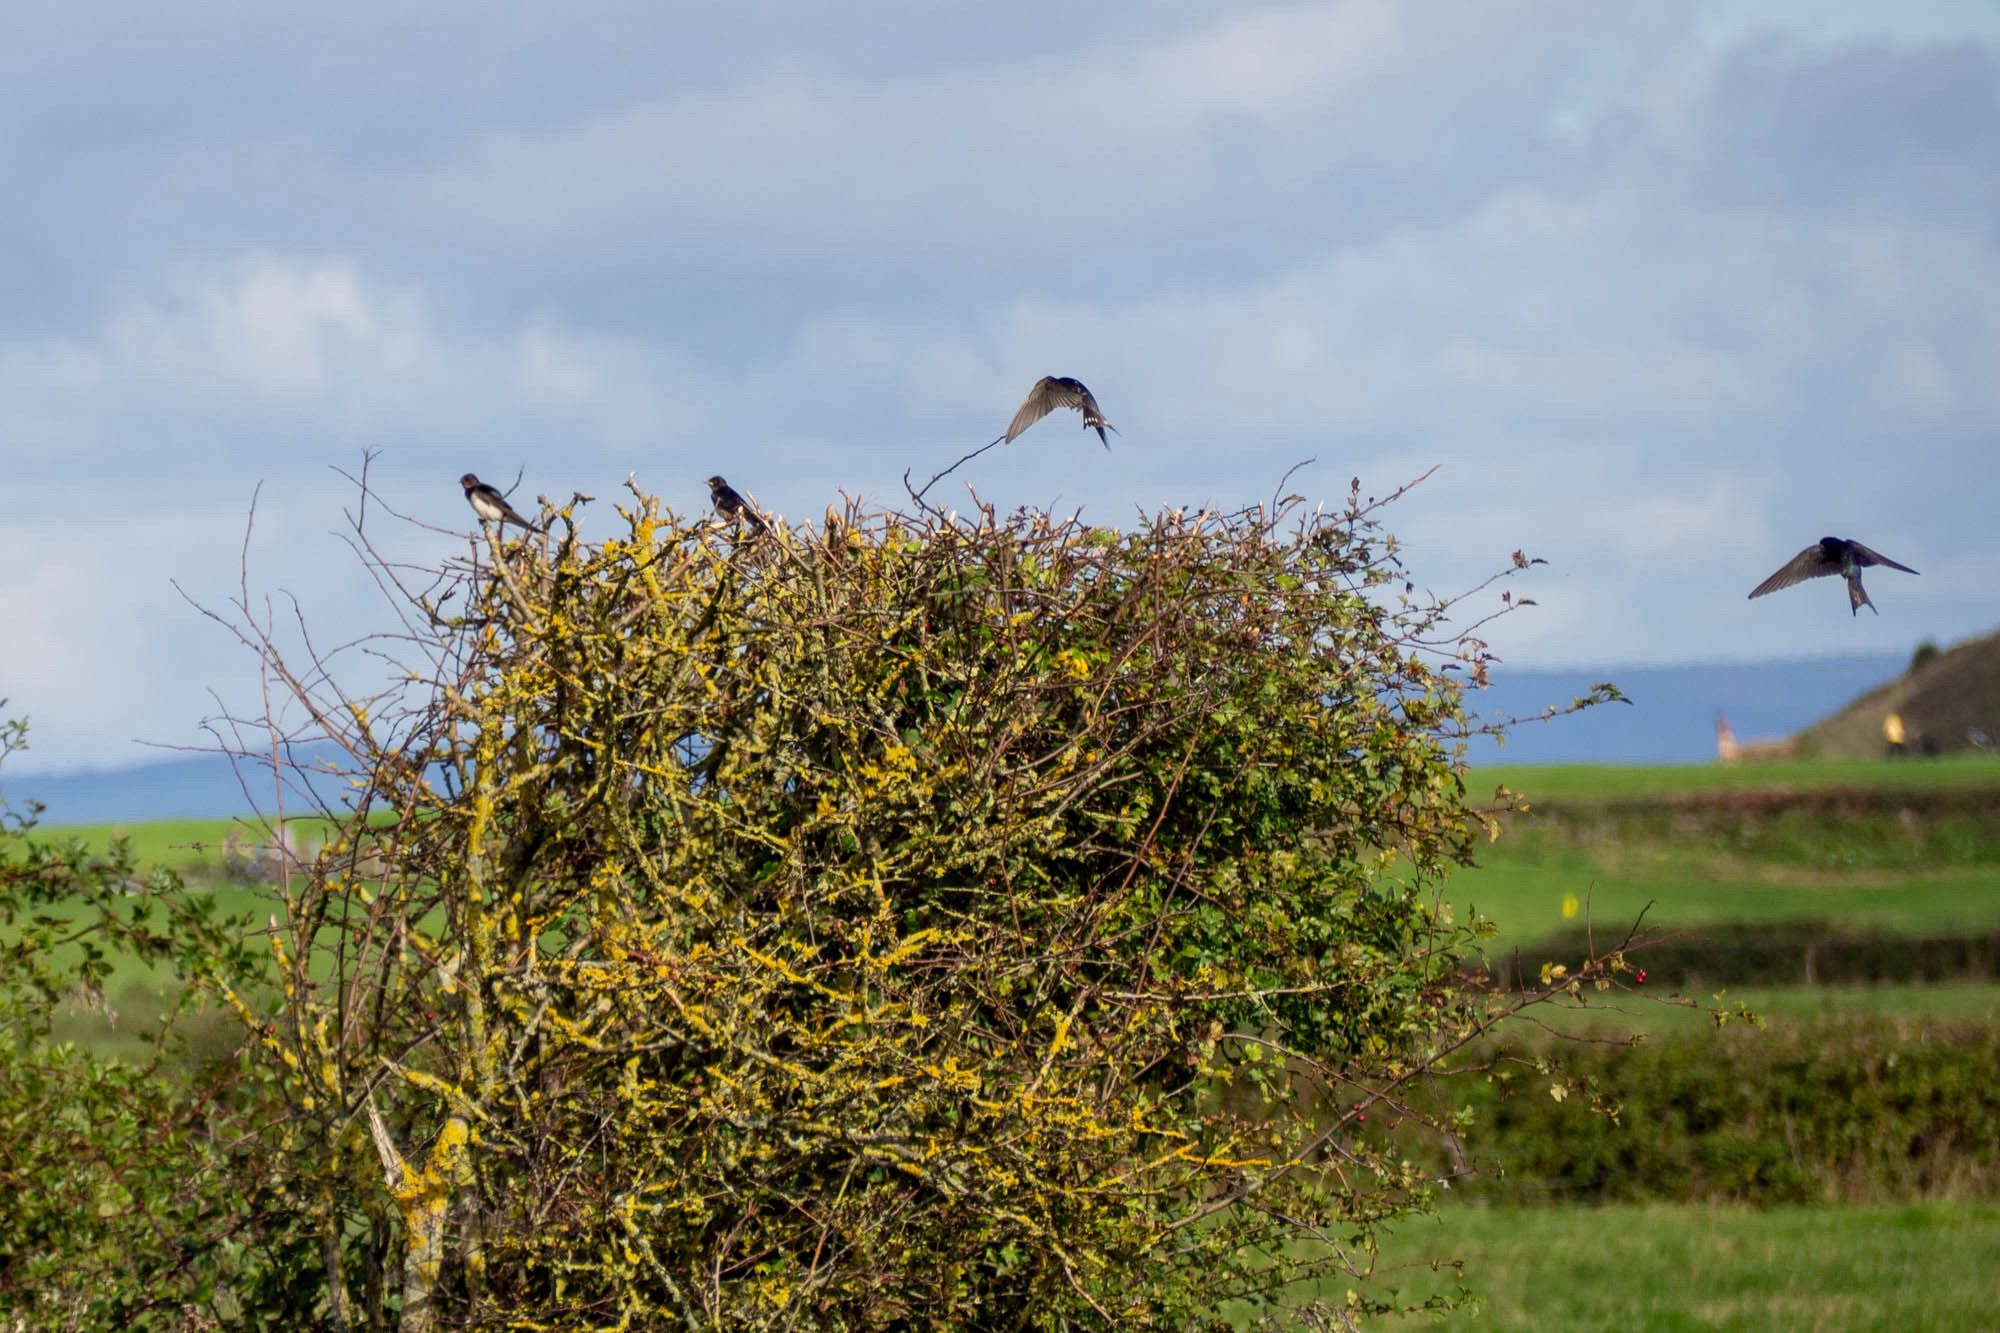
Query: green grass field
pixel 191 846
pixel 1602 841
pixel 1532 894
pixel 1677 1267
pixel 1670 1268
pixel 1615 781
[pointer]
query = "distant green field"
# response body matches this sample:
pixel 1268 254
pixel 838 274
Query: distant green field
pixel 1607 841
pixel 181 844
pixel 1529 894
pixel 1672 1268
pixel 1605 781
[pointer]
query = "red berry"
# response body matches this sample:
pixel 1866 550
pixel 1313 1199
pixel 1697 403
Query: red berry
pixel 1639 977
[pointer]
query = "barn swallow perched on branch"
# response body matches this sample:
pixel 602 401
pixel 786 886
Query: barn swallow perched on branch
pixel 731 505
pixel 490 504
pixel 1049 393
pixel 1831 555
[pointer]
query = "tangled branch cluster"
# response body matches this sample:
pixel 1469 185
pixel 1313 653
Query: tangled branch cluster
pixel 920 922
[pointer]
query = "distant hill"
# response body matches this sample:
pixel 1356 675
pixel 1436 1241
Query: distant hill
pixel 1948 704
pixel 198 787
pixel 1671 719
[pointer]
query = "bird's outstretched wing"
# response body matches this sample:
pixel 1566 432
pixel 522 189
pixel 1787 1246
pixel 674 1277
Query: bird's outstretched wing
pixel 1810 563
pixel 1051 392
pixel 1864 556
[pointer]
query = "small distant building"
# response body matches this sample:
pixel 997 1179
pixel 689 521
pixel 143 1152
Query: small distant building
pixel 1726 750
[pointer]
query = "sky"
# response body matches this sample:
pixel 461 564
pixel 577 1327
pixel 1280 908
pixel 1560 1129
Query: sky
pixel 1665 290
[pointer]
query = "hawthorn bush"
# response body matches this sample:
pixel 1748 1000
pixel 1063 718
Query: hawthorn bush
pixel 921 922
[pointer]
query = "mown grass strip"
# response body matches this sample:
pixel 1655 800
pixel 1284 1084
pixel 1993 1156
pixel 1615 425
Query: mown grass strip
pixel 1665 1268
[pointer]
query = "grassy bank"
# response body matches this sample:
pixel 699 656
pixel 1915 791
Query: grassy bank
pixel 1672 1267
pixel 1667 1268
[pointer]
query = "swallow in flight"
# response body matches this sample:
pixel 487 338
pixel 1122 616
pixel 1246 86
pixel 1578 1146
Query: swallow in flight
pixel 1831 555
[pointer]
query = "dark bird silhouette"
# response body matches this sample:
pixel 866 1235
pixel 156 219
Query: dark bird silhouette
pixel 1049 393
pixel 731 505
pixel 1831 555
pixel 490 505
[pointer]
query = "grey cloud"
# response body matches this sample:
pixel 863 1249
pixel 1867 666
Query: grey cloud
pixel 1253 135
pixel 276 363
pixel 1080 157
pixel 1867 128
pixel 1664 312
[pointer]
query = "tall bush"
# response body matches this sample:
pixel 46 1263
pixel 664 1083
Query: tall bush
pixel 923 922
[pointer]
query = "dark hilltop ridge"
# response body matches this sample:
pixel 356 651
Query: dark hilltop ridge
pixel 1948 702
